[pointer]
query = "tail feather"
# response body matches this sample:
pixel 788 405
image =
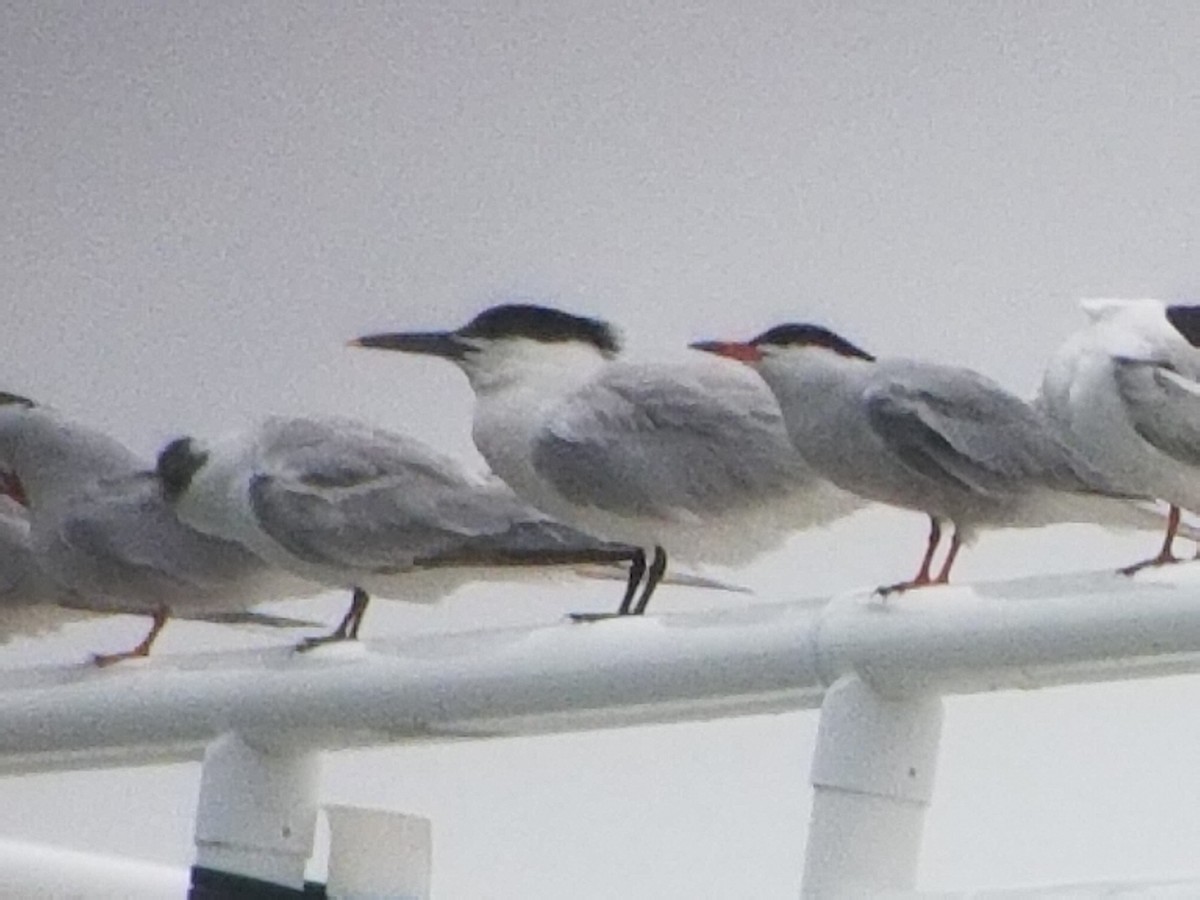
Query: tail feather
pixel 264 620
pixel 680 579
pixel 215 617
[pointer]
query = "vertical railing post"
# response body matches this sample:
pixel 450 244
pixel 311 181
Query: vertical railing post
pixel 255 821
pixel 378 853
pixel 872 774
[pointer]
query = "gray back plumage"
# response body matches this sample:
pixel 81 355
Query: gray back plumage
pixel 634 442
pixel 54 455
pixel 120 539
pixel 29 598
pixel 346 495
pixel 100 528
pixel 957 427
pixel 22 582
pixel 1161 410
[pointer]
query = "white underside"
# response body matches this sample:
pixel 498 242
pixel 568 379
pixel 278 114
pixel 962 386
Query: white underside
pixel 731 539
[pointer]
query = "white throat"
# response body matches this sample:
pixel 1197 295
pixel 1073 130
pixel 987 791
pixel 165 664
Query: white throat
pixel 519 363
pixel 810 367
pixel 519 386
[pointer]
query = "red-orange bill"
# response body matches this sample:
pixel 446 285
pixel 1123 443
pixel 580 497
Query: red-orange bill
pixel 11 486
pixel 738 350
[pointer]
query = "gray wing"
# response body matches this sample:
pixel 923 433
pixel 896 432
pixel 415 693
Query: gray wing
pixel 121 539
pixel 355 497
pixel 15 555
pixel 31 602
pixel 22 582
pixel 1163 407
pixel 954 425
pixel 531 541
pixel 657 441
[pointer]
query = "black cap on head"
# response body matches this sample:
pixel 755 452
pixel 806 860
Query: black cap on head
pixel 1186 320
pixel 7 399
pixel 793 335
pixel 177 463
pixel 541 323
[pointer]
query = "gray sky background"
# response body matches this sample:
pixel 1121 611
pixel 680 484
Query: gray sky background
pixel 202 202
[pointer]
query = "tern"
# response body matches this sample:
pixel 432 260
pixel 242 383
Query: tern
pixel 688 458
pixel 32 603
pixel 349 505
pixel 101 528
pixel 944 441
pixel 1125 390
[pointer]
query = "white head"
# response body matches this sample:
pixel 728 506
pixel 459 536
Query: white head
pixel 43 454
pixel 1099 309
pixel 512 342
pixel 1144 327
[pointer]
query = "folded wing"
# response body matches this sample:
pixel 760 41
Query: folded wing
pixel 1163 406
pixel 364 499
pixel 122 538
pixel 697 443
pixel 960 428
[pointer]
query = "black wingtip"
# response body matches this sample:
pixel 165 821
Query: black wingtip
pixel 543 323
pixel 7 399
pixel 1186 320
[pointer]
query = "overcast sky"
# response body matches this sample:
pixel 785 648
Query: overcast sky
pixel 203 202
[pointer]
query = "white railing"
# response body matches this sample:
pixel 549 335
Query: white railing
pixel 888 664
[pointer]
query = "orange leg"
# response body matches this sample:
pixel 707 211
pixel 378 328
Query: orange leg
pixel 922 578
pixel 1165 556
pixel 955 546
pixel 142 649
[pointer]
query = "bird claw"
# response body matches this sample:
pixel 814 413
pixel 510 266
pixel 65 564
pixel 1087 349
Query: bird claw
pixel 886 590
pixel 900 587
pixel 1152 563
pixel 104 660
pixel 313 642
pixel 595 617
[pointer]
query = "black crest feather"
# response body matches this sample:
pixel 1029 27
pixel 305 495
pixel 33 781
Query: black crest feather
pixel 794 335
pixel 541 323
pixel 177 464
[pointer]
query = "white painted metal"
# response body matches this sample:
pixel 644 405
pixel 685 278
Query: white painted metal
pixel 378 853
pixel 36 872
pixel 257 812
pixel 269 712
pixel 872 773
pixel 567 677
pixel 1111 890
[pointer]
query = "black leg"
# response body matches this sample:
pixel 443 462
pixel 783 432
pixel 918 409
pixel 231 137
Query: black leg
pixel 358 609
pixel 347 629
pixel 637 568
pixel 657 569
